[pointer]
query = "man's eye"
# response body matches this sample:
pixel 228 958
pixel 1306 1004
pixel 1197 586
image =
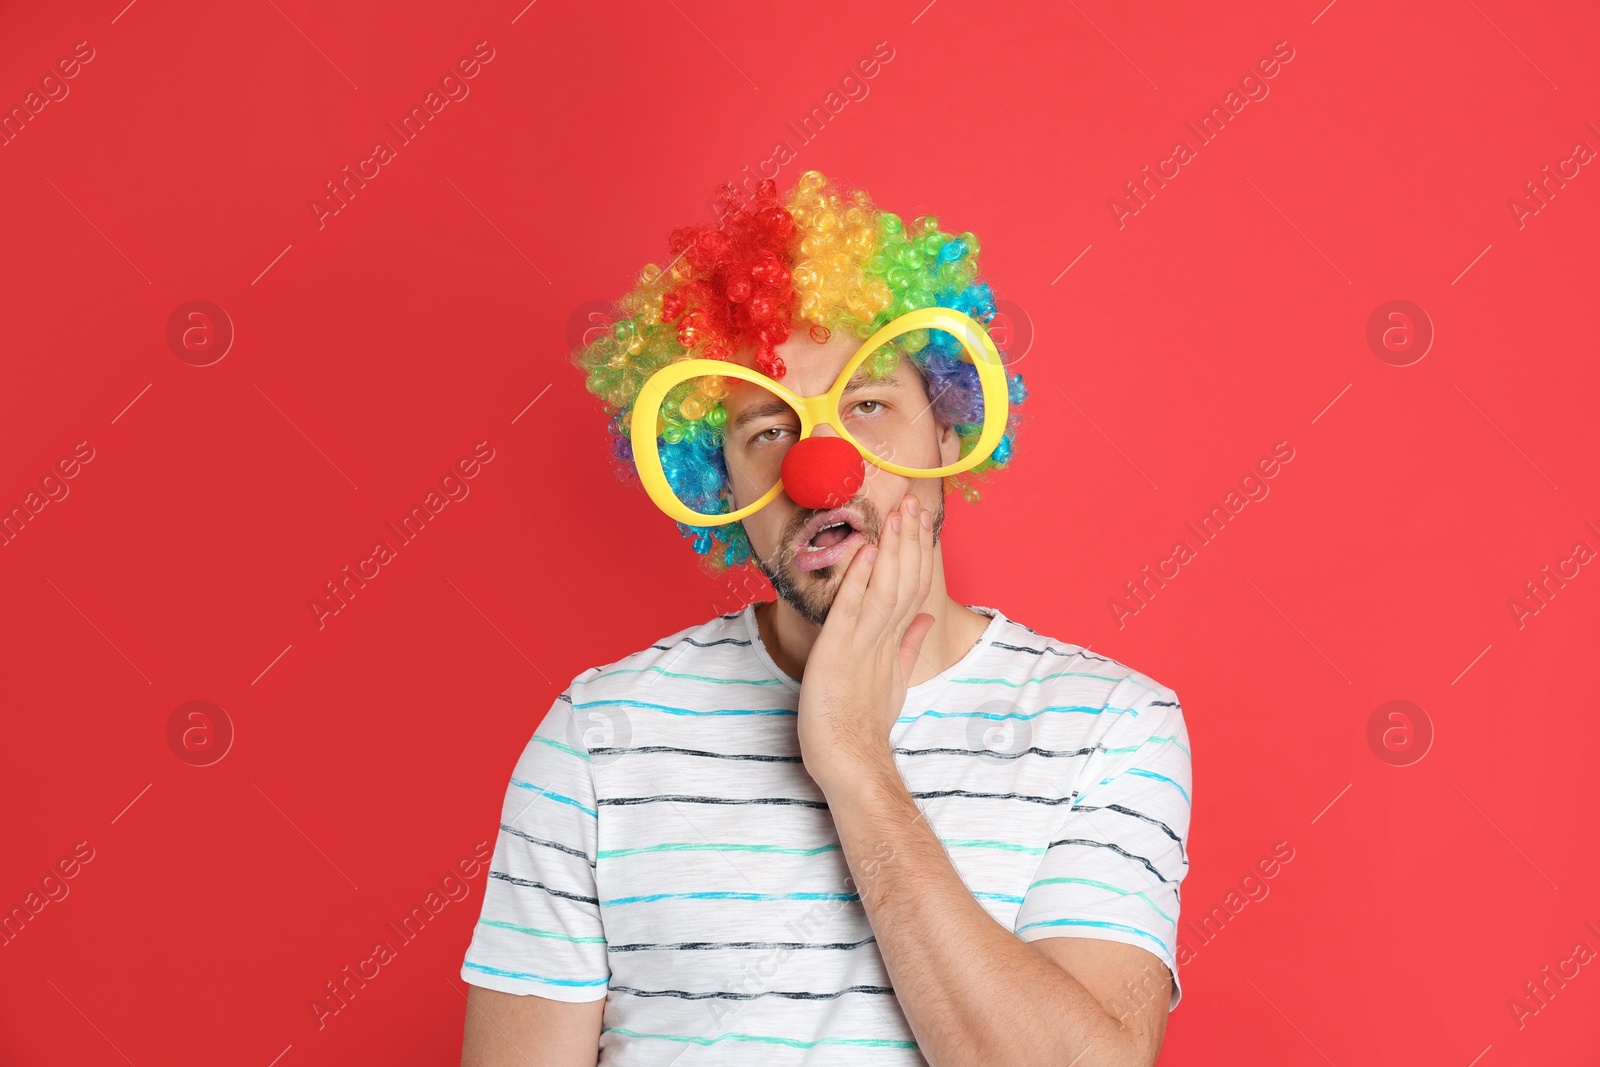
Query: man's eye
pixel 877 405
pixel 765 435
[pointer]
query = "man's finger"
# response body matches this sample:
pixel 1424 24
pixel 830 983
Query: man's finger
pixel 906 601
pixel 853 589
pixel 925 555
pixel 880 592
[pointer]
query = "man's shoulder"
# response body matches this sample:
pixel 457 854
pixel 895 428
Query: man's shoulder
pixel 1072 699
pixel 712 638
pixel 1053 669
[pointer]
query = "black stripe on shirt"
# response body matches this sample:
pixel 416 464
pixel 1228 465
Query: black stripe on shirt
pixel 525 883
pixel 877 990
pixel 584 856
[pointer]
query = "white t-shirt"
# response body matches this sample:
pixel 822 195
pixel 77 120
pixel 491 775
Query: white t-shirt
pixel 662 846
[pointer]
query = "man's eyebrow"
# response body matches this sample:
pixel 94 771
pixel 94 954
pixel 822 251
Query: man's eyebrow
pixel 775 406
pixel 762 410
pixel 860 382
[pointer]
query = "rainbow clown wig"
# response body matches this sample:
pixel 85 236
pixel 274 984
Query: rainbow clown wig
pixel 823 258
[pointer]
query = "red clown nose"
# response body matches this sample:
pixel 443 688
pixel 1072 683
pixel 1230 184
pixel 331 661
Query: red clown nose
pixel 822 472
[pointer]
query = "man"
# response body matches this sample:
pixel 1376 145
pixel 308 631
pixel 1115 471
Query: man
pixel 862 823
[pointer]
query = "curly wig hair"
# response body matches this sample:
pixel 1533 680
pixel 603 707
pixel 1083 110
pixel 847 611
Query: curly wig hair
pixel 823 258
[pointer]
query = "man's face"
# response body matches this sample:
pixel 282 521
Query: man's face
pixel 893 416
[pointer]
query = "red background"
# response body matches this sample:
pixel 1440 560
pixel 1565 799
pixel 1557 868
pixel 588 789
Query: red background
pixel 372 353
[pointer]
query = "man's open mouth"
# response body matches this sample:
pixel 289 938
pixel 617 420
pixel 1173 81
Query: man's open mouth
pixel 831 534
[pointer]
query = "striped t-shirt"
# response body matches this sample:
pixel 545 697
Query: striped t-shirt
pixel 662 846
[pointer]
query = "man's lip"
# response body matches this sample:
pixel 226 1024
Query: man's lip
pixel 828 518
pixel 808 560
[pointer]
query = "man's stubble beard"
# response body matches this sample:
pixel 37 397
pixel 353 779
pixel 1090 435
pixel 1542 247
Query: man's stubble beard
pixel 783 577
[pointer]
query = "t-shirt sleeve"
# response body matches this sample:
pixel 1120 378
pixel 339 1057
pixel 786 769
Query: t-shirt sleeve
pixel 540 930
pixel 1112 869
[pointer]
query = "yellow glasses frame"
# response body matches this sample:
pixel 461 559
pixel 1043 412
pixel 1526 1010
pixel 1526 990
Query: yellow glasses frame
pixel 979 350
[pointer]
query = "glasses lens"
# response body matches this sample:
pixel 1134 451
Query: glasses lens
pixel 759 430
pixel 723 440
pixel 895 415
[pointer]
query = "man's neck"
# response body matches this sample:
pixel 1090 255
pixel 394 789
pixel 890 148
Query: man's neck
pixel 956 628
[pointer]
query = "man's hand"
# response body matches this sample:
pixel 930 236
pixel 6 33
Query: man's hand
pixel 856 674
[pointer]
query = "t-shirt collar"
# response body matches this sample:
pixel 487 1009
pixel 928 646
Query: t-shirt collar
pixel 915 693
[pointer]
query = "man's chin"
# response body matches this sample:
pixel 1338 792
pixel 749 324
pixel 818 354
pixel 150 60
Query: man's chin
pixel 809 593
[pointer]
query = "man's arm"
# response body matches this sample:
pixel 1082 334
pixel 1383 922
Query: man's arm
pixel 508 1030
pixel 536 968
pixel 961 978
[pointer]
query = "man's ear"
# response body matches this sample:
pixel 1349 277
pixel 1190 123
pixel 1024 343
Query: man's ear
pixel 949 444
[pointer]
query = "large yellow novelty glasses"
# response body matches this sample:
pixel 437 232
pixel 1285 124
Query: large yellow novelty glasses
pixel 753 455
